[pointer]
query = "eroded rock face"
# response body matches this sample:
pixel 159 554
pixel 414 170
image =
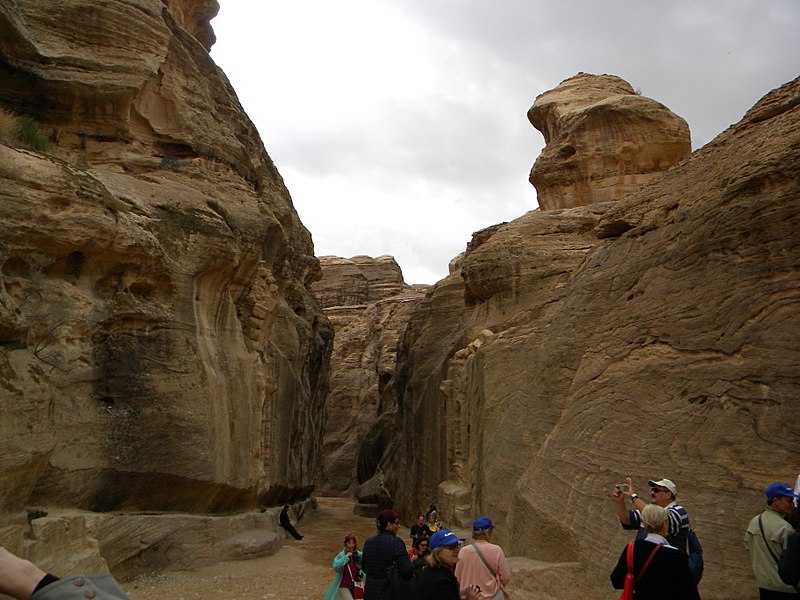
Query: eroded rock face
pixel 160 348
pixel 370 305
pixel 650 337
pixel 358 280
pixel 603 141
pixel 194 16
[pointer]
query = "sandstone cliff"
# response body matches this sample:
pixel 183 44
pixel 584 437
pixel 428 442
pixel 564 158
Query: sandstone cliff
pixel 370 305
pixel 160 348
pixel 651 336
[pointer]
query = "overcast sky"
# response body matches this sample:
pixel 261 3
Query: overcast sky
pixel 399 126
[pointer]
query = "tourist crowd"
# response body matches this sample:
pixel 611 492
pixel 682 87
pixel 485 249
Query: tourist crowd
pixel 663 562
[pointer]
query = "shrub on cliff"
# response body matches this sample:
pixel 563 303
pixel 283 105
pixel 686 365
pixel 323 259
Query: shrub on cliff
pixel 23 130
pixel 8 126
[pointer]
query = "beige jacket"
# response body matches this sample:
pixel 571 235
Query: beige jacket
pixel 765 568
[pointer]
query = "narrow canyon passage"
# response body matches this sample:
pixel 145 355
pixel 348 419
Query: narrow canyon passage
pixel 300 570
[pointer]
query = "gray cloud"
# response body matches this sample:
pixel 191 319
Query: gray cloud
pixel 400 127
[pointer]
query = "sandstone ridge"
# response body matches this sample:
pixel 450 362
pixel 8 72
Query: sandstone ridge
pixel 648 336
pixel 369 304
pixel 160 347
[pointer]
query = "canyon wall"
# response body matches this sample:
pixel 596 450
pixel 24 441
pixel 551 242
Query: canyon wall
pixel 649 336
pixel 369 305
pixel 164 363
pixel 160 347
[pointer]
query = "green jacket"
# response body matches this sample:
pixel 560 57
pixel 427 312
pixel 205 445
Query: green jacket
pixel 765 567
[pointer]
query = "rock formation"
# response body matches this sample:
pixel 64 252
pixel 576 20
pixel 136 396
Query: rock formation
pixel 651 336
pixel 369 305
pixel 160 348
pixel 195 17
pixel 603 141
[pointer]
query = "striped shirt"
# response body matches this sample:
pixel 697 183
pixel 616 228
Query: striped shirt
pixel 679 527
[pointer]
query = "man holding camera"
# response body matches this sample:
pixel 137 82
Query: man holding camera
pixel 663 493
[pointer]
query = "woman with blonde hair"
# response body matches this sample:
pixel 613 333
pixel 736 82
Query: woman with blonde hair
pixel 437 581
pixel 660 571
pixel 347 565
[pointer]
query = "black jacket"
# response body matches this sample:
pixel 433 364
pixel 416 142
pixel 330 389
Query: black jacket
pixel 789 565
pixel 438 583
pixel 380 552
pixel 666 578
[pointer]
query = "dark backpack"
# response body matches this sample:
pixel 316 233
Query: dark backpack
pixel 695 556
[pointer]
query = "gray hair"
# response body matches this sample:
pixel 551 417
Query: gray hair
pixel 654 517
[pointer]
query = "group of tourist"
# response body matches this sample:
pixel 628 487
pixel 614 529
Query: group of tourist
pixel 666 560
pixel 436 568
pixel 657 563
pixel 426 525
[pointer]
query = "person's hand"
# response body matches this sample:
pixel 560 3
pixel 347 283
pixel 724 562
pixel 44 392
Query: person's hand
pixel 473 592
pixel 630 491
pixel 18 577
pixel 619 496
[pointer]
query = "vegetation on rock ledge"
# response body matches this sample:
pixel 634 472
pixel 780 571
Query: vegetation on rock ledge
pixel 21 130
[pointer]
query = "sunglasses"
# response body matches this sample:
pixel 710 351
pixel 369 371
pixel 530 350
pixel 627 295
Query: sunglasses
pixel 657 490
pixel 453 546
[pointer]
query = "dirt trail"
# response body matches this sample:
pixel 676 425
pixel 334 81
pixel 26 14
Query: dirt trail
pixel 301 570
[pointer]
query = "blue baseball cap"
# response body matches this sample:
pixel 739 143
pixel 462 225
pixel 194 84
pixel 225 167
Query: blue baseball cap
pixel 779 489
pixel 482 524
pixel 444 537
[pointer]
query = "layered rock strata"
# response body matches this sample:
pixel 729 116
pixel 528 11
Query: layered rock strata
pixel 370 305
pixel 648 337
pixel 603 141
pixel 160 347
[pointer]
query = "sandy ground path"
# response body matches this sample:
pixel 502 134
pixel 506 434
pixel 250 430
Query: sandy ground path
pixel 301 570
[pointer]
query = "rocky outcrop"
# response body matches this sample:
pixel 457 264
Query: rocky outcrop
pixel 358 280
pixel 370 305
pixel 603 141
pixel 160 347
pixel 651 336
pixel 195 17
pixel 130 544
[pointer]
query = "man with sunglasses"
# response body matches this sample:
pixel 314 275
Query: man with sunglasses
pixel 663 492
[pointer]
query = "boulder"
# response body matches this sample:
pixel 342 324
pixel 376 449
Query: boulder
pixel 603 140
